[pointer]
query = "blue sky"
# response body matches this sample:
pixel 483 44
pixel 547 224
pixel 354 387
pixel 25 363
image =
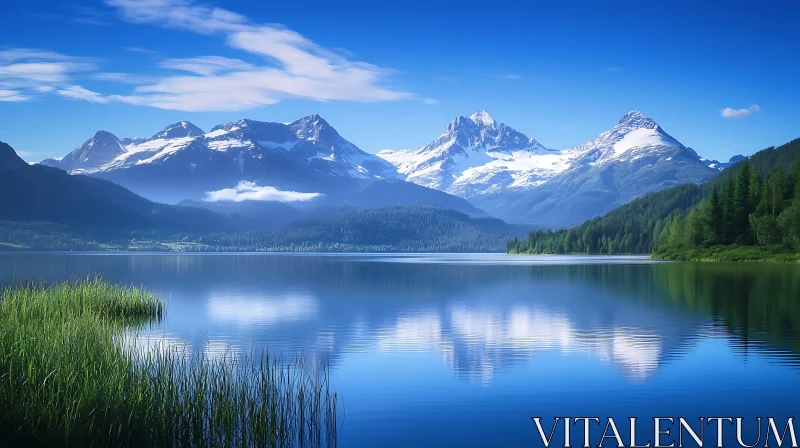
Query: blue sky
pixel 393 74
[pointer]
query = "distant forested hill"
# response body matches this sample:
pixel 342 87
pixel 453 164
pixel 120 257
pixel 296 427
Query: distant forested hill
pixel 634 227
pixel 403 228
pixel 250 215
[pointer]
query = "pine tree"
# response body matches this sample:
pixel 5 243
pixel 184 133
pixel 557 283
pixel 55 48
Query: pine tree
pixel 755 189
pixel 716 221
pixel 741 206
pixel 774 190
pixel 729 212
pixel 794 176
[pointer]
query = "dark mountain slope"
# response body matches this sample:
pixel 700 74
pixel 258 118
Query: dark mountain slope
pixel 45 194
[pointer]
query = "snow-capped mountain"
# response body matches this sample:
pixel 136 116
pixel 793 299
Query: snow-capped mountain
pixel 515 178
pixel 474 155
pixel 182 162
pixel 99 150
pixel 498 169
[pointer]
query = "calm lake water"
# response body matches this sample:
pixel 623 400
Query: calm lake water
pixel 462 350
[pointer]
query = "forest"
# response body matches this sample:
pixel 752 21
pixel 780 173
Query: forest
pixel 398 228
pixel 749 211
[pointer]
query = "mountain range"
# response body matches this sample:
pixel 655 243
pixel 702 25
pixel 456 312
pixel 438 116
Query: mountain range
pixel 516 178
pixel 477 166
pixel 46 208
pixel 183 162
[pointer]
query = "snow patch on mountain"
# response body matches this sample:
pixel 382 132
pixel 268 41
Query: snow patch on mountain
pixel 638 138
pixel 307 144
pixel 475 153
pixel 516 178
pixel 483 118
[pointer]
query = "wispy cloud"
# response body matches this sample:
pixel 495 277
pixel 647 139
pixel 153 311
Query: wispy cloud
pixel 429 101
pixel 140 50
pixel 207 65
pixel 81 93
pixel 12 96
pixel 26 72
pixel 290 65
pixel 124 78
pixel 281 64
pixel 249 191
pixel 612 69
pixel 729 112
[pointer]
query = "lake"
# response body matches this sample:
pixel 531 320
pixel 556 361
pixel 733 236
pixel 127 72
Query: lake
pixel 462 350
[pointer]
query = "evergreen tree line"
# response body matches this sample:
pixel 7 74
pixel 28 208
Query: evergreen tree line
pixel 628 229
pixel 637 227
pixel 748 210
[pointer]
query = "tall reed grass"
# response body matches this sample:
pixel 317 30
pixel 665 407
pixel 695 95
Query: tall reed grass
pixel 71 374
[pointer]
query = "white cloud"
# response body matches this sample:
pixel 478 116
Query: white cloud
pixel 249 191
pixel 12 96
pixel 139 50
pixel 28 72
pixel 206 65
pixel 123 78
pixel 729 112
pixel 291 66
pixel 81 93
pixel 429 101
pixel 612 69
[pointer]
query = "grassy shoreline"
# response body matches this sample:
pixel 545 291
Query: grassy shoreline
pixel 72 374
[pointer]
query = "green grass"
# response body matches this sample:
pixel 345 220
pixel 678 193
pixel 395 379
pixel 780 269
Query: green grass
pixel 73 373
pixel 769 254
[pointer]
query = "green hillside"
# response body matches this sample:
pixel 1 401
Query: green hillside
pixel 633 227
pixel 401 228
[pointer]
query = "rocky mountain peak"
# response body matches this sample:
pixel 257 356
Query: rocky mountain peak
pixel 637 120
pixel 178 130
pixel 482 118
pixel 313 127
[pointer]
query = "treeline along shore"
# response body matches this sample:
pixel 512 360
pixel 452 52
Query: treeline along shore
pixel 750 212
